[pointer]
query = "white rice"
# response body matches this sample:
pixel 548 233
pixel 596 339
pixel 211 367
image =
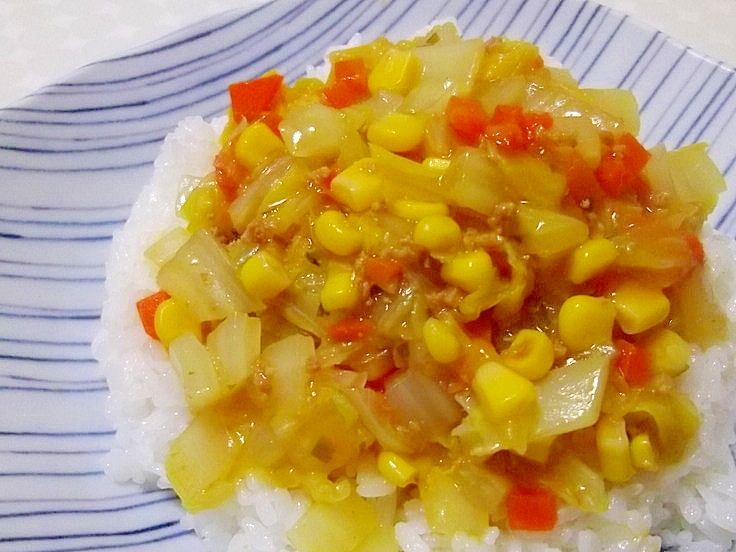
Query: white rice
pixel 691 506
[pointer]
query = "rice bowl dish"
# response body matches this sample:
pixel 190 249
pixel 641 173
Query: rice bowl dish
pixel 688 504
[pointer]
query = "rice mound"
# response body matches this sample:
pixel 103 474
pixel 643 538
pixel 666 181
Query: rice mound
pixel 688 507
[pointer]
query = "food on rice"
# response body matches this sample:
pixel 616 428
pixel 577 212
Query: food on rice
pixel 443 300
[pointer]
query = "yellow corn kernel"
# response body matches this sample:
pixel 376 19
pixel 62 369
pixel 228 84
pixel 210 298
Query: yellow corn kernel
pixel 256 143
pixel 358 186
pixel 669 352
pixel 502 392
pixel 396 71
pixel 585 321
pixel 396 469
pixel 440 233
pixel 396 131
pixel 469 270
pixel 339 290
pixel 263 276
pixel 172 319
pixel 441 341
pixel 530 354
pixel 643 454
pixel 590 258
pixel 612 444
pixel 205 207
pixel 334 233
pixel 416 210
pixel 639 307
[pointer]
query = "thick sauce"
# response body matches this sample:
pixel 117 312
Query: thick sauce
pixel 449 266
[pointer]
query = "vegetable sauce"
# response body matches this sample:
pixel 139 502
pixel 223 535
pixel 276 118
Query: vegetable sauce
pixel 448 267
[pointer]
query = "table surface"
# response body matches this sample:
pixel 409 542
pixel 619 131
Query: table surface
pixel 44 40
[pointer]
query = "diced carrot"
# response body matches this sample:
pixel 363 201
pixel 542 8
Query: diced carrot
pixel 581 181
pixel 352 328
pixel 534 123
pixel 348 84
pixel 633 363
pixel 147 311
pixel 253 98
pixel 619 170
pixel 508 137
pixel 531 509
pixel 635 155
pixel 467 117
pixel 513 130
pixel 382 271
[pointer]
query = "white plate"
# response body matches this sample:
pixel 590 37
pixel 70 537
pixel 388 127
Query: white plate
pixel 74 156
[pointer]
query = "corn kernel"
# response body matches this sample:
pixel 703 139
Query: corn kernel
pixel 172 319
pixel 643 454
pixel 530 354
pixel 416 210
pixel 669 352
pixel 339 290
pixel 590 258
pixel 440 233
pixel 396 469
pixel 397 132
pixel 263 276
pixel 639 307
pixel 442 343
pixel 396 71
pixel 502 392
pixel 612 444
pixel 585 321
pixel 358 186
pixel 334 233
pixel 204 207
pixel 469 270
pixel 256 143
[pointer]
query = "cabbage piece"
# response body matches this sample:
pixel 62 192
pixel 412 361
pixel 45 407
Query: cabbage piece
pixel 532 181
pixel 197 371
pixel 285 363
pixel 449 505
pixel 570 396
pixel 546 233
pixel 476 182
pixel 576 483
pixel 419 401
pixel 313 131
pixel 449 67
pixel 246 206
pixel 236 344
pixel 198 462
pixel 338 527
pixel 201 275
pixel 687 175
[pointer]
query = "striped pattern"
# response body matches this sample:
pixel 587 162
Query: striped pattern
pixel 74 156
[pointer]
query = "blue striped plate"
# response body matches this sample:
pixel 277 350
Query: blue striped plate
pixel 74 156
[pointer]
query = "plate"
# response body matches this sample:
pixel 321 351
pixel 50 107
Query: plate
pixel 74 156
